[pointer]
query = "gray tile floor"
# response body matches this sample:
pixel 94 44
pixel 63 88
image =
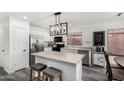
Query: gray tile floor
pixel 94 73
pixel 22 75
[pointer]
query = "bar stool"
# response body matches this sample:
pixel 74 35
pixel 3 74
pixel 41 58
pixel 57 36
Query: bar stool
pixel 52 73
pixel 38 68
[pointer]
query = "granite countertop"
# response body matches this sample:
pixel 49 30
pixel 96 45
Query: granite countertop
pixel 59 56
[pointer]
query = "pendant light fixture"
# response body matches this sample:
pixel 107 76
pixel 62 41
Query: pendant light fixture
pixel 58 28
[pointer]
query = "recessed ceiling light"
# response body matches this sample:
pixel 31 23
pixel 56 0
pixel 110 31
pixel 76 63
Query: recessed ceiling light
pixel 25 17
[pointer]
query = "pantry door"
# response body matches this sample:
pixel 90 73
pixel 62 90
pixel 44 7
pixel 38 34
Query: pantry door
pixel 20 47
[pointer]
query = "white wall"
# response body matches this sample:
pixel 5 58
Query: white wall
pixel 4 56
pixel 1 37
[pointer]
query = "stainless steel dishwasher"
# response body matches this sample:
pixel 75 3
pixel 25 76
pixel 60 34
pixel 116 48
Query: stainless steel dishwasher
pixel 85 60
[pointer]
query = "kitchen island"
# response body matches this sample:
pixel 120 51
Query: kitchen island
pixel 69 63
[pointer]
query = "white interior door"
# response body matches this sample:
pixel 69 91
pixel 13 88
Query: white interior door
pixel 1 48
pixel 21 47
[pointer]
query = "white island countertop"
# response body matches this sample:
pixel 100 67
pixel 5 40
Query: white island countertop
pixel 78 48
pixel 59 56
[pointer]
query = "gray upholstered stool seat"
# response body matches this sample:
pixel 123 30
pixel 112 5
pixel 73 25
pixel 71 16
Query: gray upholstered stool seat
pixel 52 73
pixel 38 68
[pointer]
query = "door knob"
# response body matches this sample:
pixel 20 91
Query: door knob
pixel 24 50
pixel 3 50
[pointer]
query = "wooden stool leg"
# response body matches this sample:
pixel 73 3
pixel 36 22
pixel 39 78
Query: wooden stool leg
pixel 46 78
pixel 31 75
pixel 51 79
pixel 38 75
pixel 60 77
pixel 43 77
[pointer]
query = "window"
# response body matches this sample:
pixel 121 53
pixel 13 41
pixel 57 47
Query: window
pixel 115 41
pixel 99 38
pixel 74 39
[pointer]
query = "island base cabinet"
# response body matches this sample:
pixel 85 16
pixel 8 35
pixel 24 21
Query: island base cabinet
pixel 70 72
pixel 86 60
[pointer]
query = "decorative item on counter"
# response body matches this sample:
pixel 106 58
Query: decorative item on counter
pixel 98 48
pixel 102 49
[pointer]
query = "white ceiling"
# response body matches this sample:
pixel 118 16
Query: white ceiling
pixel 75 19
